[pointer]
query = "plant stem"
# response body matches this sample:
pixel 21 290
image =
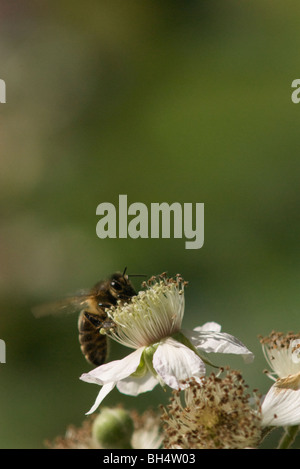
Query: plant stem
pixel 265 432
pixel 289 437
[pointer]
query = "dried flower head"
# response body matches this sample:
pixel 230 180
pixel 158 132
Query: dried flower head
pixel 216 414
pixel 75 437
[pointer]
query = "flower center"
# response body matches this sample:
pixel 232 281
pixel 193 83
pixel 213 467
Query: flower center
pixel 151 315
pixel 208 418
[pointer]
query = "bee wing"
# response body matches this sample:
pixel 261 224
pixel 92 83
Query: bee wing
pixel 69 305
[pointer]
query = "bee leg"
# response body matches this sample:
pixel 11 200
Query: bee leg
pixel 94 319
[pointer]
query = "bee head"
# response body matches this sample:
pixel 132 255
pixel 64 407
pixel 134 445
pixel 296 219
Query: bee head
pixel 120 286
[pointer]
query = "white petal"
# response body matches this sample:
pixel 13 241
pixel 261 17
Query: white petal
pixel 134 385
pixel 218 342
pixel 209 326
pixel 281 405
pixel 102 394
pixel 174 362
pixel 114 371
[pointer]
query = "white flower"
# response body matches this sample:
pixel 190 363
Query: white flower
pixel 282 354
pixel 151 325
pixel 281 405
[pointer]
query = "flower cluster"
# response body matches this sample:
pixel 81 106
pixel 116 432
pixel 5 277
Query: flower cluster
pixel 207 410
pixel 163 353
pixel 218 413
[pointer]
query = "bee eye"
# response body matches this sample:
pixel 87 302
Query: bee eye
pixel 116 285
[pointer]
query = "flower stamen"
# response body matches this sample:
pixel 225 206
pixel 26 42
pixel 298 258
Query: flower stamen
pixel 281 353
pixel 151 315
pixel 215 414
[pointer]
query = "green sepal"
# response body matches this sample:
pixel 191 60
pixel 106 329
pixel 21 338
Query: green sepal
pixel 141 369
pixel 148 356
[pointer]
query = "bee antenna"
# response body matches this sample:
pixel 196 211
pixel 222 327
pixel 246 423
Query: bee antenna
pixel 133 275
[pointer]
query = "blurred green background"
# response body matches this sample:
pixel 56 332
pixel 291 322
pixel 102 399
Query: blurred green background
pixel 163 101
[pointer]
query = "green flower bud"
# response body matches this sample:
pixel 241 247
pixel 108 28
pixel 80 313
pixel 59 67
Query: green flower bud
pixel 113 429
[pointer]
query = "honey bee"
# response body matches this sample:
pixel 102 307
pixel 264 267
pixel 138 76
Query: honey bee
pixel 92 306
